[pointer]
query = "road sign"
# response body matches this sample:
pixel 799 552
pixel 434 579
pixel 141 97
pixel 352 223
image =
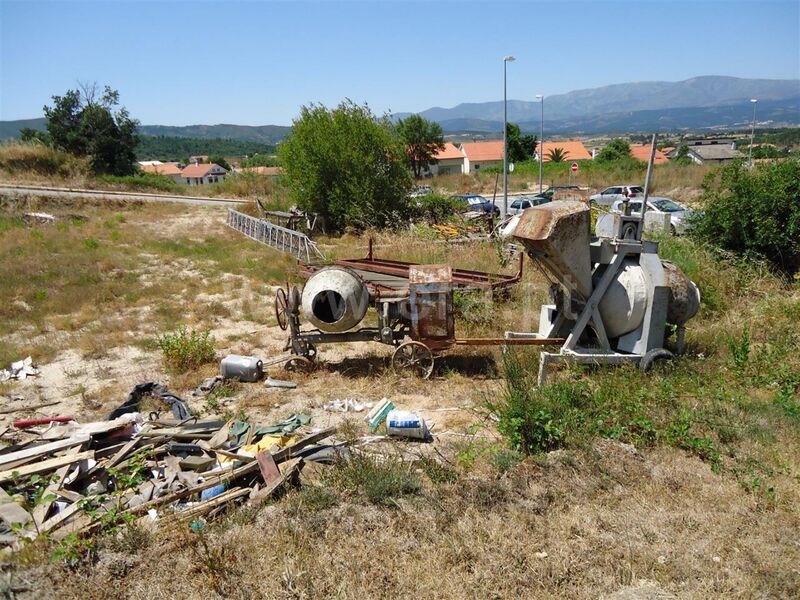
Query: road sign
pixel 574 167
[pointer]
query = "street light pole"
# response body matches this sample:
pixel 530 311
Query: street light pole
pixel 506 60
pixel 752 132
pixel 540 97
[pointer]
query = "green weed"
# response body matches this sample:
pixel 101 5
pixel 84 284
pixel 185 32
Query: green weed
pixel 186 349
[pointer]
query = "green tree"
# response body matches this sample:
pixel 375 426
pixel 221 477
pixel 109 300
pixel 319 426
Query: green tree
pixel 556 155
pixel 423 139
pixel 220 160
pixel 28 134
pixel 682 155
pixel 616 150
pixel 348 165
pixel 520 147
pixel 754 212
pixel 85 123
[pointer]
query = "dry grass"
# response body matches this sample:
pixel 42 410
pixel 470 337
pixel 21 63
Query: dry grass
pixel 607 515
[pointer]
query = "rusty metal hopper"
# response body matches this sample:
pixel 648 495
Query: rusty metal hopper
pixel 557 234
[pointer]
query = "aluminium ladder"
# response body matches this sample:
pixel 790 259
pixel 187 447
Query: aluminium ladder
pixel 275 236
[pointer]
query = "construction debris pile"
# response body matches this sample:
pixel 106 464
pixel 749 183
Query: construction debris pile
pixel 62 477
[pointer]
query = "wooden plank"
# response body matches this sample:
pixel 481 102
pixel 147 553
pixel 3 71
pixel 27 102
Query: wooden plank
pixel 40 512
pixel 269 469
pixel 41 450
pixel 59 518
pixel 252 467
pixel 290 468
pixel 45 465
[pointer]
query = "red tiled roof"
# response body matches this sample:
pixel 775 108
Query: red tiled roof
pixel 573 149
pixel 480 151
pixel 200 170
pixel 167 169
pixel 642 152
pixel 450 152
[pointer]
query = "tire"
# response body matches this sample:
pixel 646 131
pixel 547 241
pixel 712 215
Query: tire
pixel 654 356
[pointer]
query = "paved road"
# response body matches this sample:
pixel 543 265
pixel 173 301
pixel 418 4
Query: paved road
pixel 13 190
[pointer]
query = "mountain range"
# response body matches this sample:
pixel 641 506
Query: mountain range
pixel 699 103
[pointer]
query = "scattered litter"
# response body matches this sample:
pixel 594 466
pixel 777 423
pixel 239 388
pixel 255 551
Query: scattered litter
pixel 44 421
pixel 347 405
pixel 540 554
pixel 378 413
pixel 208 385
pixel 279 383
pixel 179 408
pixel 20 370
pixel 243 368
pixel 403 423
pixel 177 472
pixel 38 217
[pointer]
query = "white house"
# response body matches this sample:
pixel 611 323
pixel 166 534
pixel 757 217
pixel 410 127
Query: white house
pixel 479 155
pixel 449 161
pixel 710 151
pixel 171 170
pixel 203 174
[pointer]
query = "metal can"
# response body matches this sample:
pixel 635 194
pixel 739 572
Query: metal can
pixel 243 368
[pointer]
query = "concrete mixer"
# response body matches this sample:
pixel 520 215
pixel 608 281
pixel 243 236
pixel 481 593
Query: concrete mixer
pixel 613 298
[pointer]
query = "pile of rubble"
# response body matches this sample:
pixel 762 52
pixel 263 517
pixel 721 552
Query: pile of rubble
pixel 63 478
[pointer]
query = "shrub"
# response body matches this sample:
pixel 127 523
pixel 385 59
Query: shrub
pixel 438 208
pixel 185 349
pixel 381 480
pixel 144 181
pixel 536 419
pixel 16 157
pixel 754 212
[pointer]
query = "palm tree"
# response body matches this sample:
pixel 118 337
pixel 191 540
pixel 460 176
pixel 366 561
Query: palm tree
pixel 557 155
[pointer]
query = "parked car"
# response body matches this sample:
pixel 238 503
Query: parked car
pixel 550 191
pixel 520 203
pixel 680 216
pixel 477 203
pixel 618 192
pixel 419 192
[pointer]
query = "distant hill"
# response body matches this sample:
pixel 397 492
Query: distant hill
pixel 709 102
pixel 770 113
pixel 698 92
pixel 261 134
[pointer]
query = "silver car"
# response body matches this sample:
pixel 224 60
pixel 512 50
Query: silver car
pixel 679 215
pixel 520 203
pixel 617 192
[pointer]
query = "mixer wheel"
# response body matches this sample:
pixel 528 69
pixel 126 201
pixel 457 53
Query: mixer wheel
pixel 414 358
pixel 299 364
pixel 282 309
pixel 653 357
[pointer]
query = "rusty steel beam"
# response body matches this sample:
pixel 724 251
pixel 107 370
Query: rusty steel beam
pixel 509 342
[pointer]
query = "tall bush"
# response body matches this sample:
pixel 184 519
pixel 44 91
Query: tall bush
pixel 754 212
pixel 348 165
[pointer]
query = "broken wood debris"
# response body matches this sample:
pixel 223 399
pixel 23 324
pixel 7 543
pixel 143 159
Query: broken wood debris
pixel 99 475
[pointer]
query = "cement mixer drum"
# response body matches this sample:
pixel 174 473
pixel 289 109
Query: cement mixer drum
pixel 624 303
pixel 335 299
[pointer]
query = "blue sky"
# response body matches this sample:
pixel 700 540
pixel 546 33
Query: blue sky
pixel 256 63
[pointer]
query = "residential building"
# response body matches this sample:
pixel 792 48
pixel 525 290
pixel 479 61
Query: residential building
pixel 642 152
pixel 203 174
pixel 573 150
pixel 710 151
pixel 171 170
pixel 480 155
pixel 449 161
